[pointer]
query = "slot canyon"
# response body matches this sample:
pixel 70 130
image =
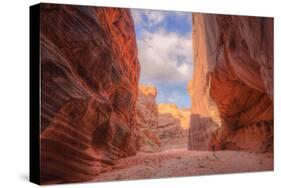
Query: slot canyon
pixel 98 122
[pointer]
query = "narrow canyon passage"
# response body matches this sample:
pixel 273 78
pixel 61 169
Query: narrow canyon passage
pixel 165 56
pixel 102 119
pixel 165 129
pixel 230 113
pixel 160 126
pixel 163 147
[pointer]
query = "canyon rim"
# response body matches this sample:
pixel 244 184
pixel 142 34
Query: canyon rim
pixel 134 94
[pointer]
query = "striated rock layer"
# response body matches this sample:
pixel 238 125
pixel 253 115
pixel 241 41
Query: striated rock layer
pixel 232 86
pixel 173 126
pixel 160 126
pixel 89 90
pixel 147 119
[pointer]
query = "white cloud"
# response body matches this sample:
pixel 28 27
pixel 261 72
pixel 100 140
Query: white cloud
pixel 165 56
pixel 183 68
pixel 153 17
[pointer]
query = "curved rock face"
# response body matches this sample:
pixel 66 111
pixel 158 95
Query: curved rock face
pixel 232 86
pixel 173 126
pixel 147 119
pixel 90 76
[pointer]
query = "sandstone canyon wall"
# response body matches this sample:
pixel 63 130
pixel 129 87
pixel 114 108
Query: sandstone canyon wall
pixel 173 126
pixel 147 119
pixel 232 86
pixel 160 126
pixel 90 76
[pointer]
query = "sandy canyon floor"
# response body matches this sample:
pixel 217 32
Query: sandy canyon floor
pixel 181 162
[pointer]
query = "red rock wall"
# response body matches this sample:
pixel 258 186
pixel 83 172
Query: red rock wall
pixel 232 86
pixel 90 76
pixel 147 119
pixel 173 126
pixel 160 126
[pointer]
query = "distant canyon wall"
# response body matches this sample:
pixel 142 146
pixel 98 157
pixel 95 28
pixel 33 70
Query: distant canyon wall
pixel 147 120
pixel 173 126
pixel 90 75
pixel 160 126
pixel 232 86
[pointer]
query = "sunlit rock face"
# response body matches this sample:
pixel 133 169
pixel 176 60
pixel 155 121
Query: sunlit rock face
pixel 173 126
pixel 173 110
pixel 160 126
pixel 147 119
pixel 90 76
pixel 232 86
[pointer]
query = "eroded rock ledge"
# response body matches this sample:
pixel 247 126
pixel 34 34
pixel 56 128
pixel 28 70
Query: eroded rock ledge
pixel 232 86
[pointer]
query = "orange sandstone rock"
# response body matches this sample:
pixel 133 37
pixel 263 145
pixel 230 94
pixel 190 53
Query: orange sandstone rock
pixel 90 74
pixel 161 126
pixel 232 86
pixel 173 126
pixel 181 114
pixel 147 119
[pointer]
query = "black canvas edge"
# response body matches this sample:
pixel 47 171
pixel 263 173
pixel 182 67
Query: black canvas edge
pixel 34 95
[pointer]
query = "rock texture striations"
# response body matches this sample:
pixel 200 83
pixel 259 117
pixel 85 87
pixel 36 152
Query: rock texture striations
pixel 89 86
pixel 232 86
pixel 173 126
pixel 147 119
pixel 160 126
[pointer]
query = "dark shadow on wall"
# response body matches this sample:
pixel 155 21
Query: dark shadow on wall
pixel 170 132
pixel 205 134
pixel 201 132
pixel 239 83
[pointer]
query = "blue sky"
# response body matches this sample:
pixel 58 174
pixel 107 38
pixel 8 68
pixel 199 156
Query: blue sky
pixel 165 53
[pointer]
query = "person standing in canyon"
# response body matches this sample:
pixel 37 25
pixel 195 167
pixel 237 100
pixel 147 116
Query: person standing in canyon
pixel 214 151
